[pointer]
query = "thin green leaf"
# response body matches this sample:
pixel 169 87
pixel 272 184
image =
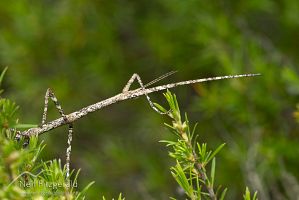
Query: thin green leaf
pixel 254 196
pixel 76 178
pixel 162 109
pixel 223 194
pixel 213 172
pixel 246 196
pixel 2 74
pixel 25 126
pixel 215 152
pixel 85 189
pixel 179 175
pixel 120 197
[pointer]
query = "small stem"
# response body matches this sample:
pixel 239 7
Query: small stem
pixel 203 175
pixel 204 178
pixel 199 168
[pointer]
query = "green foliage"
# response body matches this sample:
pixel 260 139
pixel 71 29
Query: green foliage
pixel 1 77
pixel 22 173
pixel 192 158
pixel 247 195
pixel 119 197
pixel 87 50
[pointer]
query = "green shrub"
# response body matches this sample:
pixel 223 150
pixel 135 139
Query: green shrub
pixel 195 164
pixel 23 175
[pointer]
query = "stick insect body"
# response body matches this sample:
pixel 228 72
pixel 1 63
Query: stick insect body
pixel 124 95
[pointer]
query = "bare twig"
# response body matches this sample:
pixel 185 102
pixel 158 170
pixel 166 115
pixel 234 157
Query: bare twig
pixel 67 119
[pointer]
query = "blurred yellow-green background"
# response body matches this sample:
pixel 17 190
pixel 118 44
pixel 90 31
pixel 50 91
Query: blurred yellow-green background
pixel 86 50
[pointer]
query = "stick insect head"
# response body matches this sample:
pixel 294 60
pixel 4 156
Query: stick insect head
pixel 19 137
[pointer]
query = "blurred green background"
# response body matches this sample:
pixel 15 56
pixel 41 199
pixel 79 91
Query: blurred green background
pixel 87 50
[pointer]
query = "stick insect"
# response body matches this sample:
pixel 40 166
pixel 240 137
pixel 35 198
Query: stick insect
pixel 124 95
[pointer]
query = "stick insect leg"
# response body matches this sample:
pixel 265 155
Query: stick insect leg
pixel 128 85
pixel 50 94
pixel 69 149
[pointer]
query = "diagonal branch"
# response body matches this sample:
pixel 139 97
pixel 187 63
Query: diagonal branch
pixel 117 98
